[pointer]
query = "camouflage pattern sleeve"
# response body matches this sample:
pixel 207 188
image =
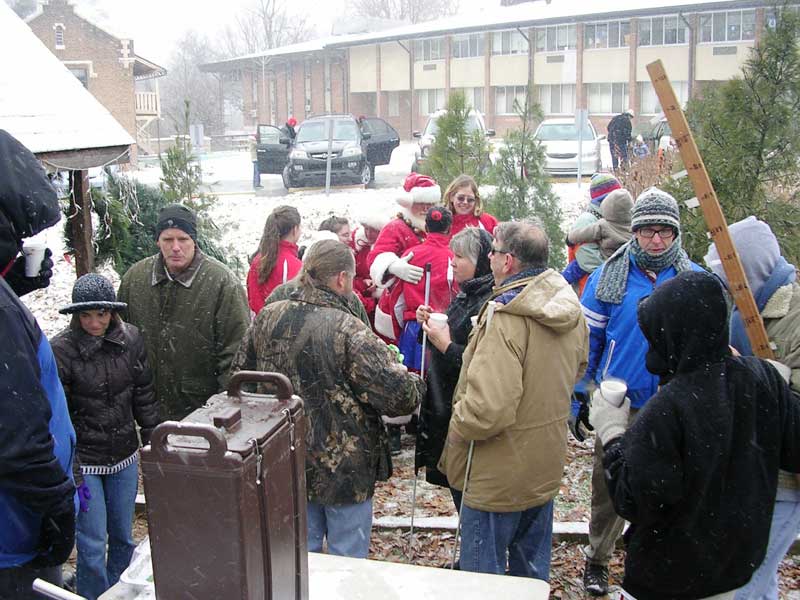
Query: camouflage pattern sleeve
pixel 245 357
pixel 376 377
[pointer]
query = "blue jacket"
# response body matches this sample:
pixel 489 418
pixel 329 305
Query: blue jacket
pixel 37 441
pixel 618 322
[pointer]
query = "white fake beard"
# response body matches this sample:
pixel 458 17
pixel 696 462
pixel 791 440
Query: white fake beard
pixel 418 222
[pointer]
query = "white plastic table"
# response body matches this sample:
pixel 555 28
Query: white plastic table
pixel 339 578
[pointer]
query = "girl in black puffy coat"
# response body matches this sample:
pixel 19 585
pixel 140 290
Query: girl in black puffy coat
pixel 102 363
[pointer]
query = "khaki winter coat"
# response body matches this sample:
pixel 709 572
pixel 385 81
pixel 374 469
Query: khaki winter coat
pixel 782 320
pixel 513 397
pixel 192 325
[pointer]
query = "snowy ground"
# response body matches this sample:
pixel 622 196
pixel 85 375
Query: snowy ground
pixel 240 213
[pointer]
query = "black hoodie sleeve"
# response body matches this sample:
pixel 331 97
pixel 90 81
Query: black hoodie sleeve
pixel 643 468
pixel 145 405
pixel 29 469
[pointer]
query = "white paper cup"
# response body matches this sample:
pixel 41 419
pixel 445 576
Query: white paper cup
pixel 613 391
pixel 437 321
pixel 34 255
pixel 474 321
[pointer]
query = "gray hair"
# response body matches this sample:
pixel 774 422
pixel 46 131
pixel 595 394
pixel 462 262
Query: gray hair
pixel 526 241
pixel 467 243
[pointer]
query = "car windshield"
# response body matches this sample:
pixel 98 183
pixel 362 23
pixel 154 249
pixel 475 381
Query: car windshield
pixel 562 132
pixel 317 131
pixel 432 128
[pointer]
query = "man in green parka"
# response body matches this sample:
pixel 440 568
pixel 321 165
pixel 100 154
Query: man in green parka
pixel 191 310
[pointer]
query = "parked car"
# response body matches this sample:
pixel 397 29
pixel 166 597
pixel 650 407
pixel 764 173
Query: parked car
pixel 560 140
pixel 426 138
pixel 659 138
pixel 358 147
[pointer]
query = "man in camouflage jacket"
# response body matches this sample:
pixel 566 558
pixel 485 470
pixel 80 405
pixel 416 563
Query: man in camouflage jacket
pixel 348 378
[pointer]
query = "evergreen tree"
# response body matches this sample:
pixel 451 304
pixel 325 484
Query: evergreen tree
pixel 523 185
pixel 457 150
pixel 748 133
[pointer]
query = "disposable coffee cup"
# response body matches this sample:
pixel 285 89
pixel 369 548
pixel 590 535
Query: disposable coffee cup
pixel 437 321
pixel 34 255
pixel 474 321
pixel 613 391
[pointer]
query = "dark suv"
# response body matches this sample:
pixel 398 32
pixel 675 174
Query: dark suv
pixel 357 147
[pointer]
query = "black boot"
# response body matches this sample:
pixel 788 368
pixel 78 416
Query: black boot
pixel 595 579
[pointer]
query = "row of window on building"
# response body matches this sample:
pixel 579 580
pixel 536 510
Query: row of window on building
pixel 558 99
pixel 728 26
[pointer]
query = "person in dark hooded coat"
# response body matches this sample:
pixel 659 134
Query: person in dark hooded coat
pixel 471 269
pixel 696 473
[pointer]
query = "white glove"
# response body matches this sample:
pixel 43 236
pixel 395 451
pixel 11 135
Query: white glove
pixel 410 273
pixel 608 421
pixel 784 370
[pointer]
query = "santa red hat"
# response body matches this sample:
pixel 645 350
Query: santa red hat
pixel 419 189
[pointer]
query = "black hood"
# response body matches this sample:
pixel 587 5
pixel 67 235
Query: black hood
pixel 685 320
pixel 483 267
pixel 28 202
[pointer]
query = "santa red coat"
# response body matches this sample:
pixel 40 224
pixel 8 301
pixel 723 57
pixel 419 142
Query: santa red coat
pixel 287 266
pixel 392 242
pixel 400 302
pixel 485 221
pixel 362 282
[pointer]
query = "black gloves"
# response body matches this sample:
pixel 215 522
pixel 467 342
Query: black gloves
pixel 579 423
pixel 57 537
pixel 21 284
pixel 145 434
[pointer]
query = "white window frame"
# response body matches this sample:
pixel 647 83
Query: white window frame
pixel 621 43
pixel 680 26
pixel 509 43
pixel 473 43
pixel 426 47
pixel 59 30
pixel 563 88
pixel 424 101
pixel 712 19
pixel 393 104
pixel 517 93
pixel 611 90
pixel 646 91
pixel 568 32
pixel 469 96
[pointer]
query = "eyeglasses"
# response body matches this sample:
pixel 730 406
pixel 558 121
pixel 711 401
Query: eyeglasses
pixel 665 234
pixel 497 251
pixel 467 199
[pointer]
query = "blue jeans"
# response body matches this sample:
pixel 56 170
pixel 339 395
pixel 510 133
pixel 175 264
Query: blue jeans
pixel 110 517
pixel 489 540
pixel 256 175
pixel 347 527
pixel 783 531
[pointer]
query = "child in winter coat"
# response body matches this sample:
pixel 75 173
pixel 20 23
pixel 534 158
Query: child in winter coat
pixel 610 232
pixel 276 261
pixel 403 299
pixel 102 364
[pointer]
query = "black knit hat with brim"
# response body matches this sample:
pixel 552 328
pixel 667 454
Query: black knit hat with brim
pixel 92 292
pixel 177 216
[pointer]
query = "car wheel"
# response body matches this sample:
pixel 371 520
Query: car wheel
pixel 287 179
pixel 366 174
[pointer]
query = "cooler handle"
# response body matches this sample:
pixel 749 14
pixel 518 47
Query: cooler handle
pixel 284 392
pixel 217 445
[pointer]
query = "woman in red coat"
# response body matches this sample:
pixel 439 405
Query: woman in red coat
pixel 464 201
pixel 408 229
pixel 276 261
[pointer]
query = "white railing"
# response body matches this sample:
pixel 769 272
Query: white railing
pixel 147 103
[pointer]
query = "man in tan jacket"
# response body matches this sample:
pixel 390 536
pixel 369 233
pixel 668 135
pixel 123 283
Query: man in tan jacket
pixel 512 401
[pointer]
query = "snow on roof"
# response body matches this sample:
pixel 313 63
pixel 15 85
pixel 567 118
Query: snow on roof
pixel 529 13
pixel 42 104
pixel 94 15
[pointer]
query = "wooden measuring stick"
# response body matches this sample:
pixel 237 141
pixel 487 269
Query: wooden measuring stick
pixel 712 211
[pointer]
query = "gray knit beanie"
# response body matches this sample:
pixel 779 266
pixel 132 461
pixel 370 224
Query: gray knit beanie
pixel 655 207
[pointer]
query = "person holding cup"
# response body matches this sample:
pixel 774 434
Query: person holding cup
pixel 447 338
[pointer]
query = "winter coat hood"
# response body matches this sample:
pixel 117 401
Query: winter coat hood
pixel 550 302
pixel 617 206
pixel 685 321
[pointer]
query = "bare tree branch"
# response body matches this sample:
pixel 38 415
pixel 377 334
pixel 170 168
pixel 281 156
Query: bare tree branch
pixel 262 25
pixel 414 11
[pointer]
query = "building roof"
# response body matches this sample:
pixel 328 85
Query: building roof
pixel 526 14
pixel 46 108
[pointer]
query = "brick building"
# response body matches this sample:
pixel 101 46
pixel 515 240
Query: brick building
pixel 571 54
pixel 104 62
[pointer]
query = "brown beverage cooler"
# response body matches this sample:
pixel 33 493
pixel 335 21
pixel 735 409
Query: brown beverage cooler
pixel 226 497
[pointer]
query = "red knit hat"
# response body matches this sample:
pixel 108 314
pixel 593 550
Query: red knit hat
pixel 291 122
